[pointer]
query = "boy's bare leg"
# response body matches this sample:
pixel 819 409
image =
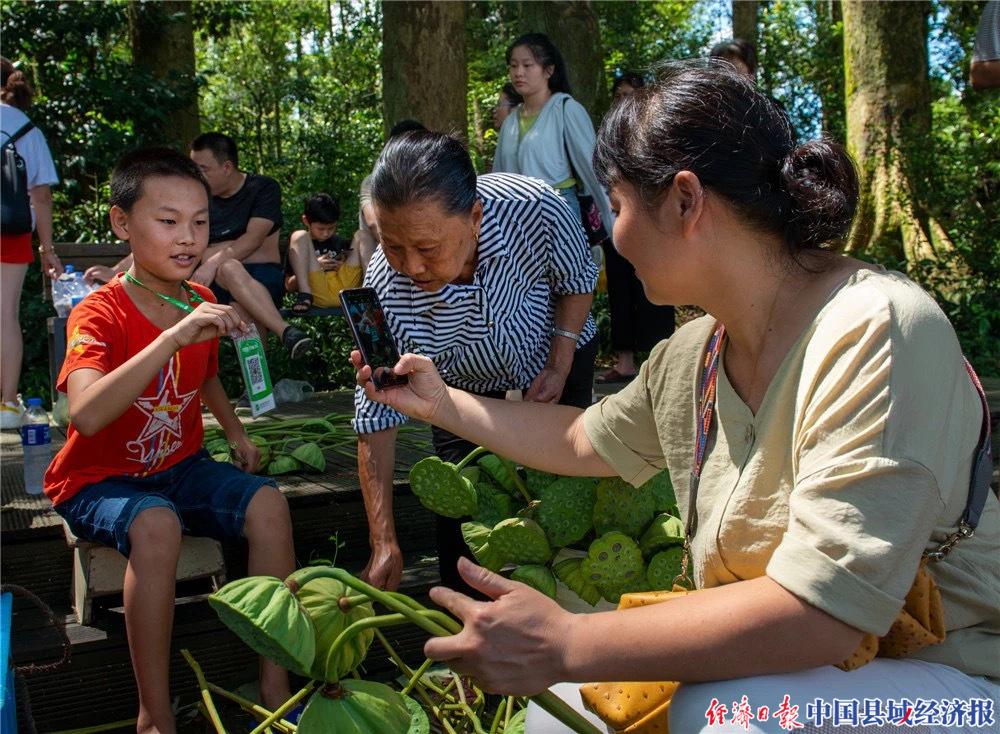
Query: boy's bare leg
pixel 268 530
pixel 251 295
pixel 155 537
pixel 302 256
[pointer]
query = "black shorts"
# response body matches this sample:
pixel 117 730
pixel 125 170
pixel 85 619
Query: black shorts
pixel 270 275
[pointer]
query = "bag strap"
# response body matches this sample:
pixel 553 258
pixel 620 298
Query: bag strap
pixel 19 133
pixel 979 479
pixel 569 159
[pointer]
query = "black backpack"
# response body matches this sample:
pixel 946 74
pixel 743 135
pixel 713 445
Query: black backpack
pixel 14 201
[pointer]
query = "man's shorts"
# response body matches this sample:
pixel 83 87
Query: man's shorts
pixel 209 497
pixel 270 275
pixel 326 285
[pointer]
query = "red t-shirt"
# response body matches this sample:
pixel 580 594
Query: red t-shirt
pixel 161 427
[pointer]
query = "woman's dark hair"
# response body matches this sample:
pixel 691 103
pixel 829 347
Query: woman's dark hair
pixel 14 87
pixel 546 54
pixel 424 166
pixel 737 49
pixel 633 78
pixel 223 147
pixel 134 168
pixel 321 209
pixel 508 91
pixel 713 122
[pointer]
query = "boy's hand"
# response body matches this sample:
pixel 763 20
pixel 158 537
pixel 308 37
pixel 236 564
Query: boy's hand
pixel 245 453
pixel 208 321
pixel 329 262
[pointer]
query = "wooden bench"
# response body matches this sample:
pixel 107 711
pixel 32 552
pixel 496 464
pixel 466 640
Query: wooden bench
pixel 100 571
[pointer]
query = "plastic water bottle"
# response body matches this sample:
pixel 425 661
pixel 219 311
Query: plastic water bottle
pixel 63 289
pixel 36 442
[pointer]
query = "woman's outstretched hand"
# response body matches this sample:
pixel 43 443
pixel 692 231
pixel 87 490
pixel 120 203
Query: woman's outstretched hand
pixel 514 645
pixel 420 398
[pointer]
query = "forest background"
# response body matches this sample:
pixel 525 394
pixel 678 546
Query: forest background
pixel 308 88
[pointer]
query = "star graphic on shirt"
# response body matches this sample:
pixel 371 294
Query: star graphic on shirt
pixel 165 409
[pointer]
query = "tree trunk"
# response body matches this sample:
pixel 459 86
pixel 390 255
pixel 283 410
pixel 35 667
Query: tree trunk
pixel 745 20
pixel 162 39
pixel 573 28
pixel 830 82
pixel 424 74
pixel 888 129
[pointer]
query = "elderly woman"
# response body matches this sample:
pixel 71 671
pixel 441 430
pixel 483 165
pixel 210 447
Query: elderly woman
pixel 491 279
pixel 819 424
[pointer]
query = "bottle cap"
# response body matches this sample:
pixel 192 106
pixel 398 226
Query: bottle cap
pixel 69 269
pixel 75 300
pixel 34 402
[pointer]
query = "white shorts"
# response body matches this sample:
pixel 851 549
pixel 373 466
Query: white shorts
pixel 873 699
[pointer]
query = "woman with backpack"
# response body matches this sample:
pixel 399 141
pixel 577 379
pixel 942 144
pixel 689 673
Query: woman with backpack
pixel 28 174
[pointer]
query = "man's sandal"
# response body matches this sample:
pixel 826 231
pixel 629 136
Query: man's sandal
pixel 303 304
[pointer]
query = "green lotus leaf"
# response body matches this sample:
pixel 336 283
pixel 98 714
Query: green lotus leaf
pixel 265 614
pixel 222 457
pixel 265 450
pixel 310 455
pixel 501 471
pixel 493 504
pixel 282 465
pixel 477 536
pixel 537 577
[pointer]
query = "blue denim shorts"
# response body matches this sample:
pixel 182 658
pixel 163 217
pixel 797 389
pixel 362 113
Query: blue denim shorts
pixel 209 497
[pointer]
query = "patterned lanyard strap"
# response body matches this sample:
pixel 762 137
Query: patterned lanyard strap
pixel 703 426
pixel 185 307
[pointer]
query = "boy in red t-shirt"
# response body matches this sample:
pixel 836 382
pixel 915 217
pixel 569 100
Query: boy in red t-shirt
pixel 141 357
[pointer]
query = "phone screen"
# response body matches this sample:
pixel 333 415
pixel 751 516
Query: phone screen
pixel 371 333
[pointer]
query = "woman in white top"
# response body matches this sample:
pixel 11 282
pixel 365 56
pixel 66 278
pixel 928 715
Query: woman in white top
pixel 549 135
pixel 15 247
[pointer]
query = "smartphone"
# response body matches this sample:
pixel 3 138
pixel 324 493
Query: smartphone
pixel 371 333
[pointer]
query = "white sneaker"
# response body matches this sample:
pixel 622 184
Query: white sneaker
pixel 10 415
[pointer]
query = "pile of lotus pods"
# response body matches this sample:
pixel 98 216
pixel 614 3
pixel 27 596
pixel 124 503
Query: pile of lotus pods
pixel 627 538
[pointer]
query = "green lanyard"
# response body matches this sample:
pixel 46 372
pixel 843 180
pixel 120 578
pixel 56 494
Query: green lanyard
pixel 185 307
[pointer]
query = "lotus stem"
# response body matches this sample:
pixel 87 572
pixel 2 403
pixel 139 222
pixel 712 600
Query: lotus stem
pixel 206 695
pixel 478 451
pixel 496 718
pixel 416 676
pixel 284 708
pixel 251 707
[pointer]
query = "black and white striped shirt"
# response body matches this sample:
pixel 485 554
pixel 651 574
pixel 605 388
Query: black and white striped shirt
pixel 493 334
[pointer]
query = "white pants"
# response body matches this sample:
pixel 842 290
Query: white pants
pixel 885 688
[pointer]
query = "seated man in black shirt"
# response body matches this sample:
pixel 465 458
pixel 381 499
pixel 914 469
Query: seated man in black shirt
pixel 242 263
pixel 320 264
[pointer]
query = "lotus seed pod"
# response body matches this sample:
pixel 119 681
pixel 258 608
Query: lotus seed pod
pixel 419 723
pixel 664 567
pixel 501 471
pixel 310 455
pixel 494 505
pixel 477 536
pixel 613 593
pixel 622 507
pixel 537 577
pixel 537 481
pixel 356 707
pixel 566 510
pixel 440 488
pixel 613 561
pixel 570 572
pixel 663 491
pixel 665 531
pixel 321 597
pixel 265 614
pixel 520 541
